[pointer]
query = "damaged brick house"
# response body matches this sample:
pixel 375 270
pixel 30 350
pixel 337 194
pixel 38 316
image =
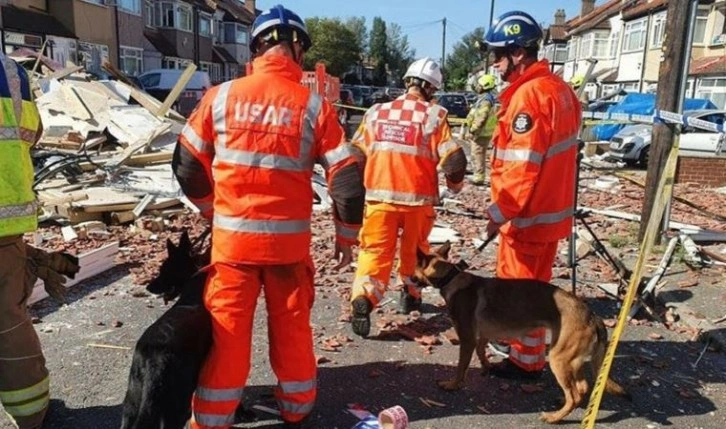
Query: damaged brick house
pixel 626 37
pixel 134 35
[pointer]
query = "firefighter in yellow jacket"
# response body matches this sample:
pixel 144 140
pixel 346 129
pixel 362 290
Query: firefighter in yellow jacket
pixel 481 121
pixel 404 141
pixel 24 383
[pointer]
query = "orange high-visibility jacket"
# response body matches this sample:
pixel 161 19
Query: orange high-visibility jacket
pixel 534 159
pixel 404 141
pixel 246 158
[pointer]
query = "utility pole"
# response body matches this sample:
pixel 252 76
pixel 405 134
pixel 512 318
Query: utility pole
pixel 671 78
pixel 443 47
pixel 491 20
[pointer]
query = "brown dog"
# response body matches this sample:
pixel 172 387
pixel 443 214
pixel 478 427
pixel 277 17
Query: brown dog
pixel 488 308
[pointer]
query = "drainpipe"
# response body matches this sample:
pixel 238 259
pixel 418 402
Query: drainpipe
pixel 195 17
pixel 645 51
pixel 118 37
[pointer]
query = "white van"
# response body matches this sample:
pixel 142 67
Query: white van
pixel 160 82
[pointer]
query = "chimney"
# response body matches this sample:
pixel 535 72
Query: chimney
pixel 560 17
pixel 587 7
pixel 250 5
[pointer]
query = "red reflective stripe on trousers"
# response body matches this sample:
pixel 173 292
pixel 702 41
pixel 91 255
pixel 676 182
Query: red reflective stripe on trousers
pixel 526 261
pixel 231 296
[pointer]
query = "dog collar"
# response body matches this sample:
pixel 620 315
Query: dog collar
pixel 458 268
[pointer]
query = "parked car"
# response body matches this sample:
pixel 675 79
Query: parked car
pixel 357 94
pixel 456 104
pixel 632 144
pixel 159 83
pixel 384 95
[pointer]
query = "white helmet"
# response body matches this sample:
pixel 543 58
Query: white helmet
pixel 427 70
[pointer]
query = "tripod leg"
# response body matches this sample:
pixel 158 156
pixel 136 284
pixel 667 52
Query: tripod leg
pixel 572 249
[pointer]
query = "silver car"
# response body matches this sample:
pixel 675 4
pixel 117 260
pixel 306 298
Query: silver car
pixel 632 144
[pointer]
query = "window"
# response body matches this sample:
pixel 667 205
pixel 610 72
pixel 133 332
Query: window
pixel 149 13
pixel 719 28
pixel 174 63
pixel 185 18
pixel 170 14
pixel 215 73
pixel 132 6
pixel 572 48
pixel 614 39
pixel 164 14
pixel 241 37
pixel 699 32
pixel 634 36
pixel 659 23
pixel 205 25
pixel 586 45
pixel 631 86
pixel 233 33
pixel 714 89
pixel 595 45
pixel 98 2
pixel 560 53
pixel 132 60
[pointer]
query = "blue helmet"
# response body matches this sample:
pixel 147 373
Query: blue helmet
pixel 278 24
pixel 514 28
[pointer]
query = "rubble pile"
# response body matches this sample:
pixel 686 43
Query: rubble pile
pixel 103 175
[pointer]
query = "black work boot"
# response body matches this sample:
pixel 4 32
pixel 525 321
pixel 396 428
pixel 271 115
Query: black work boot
pixel 507 370
pixel 408 302
pixel 361 316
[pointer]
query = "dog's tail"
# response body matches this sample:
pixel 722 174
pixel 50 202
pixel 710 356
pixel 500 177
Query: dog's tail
pixel 598 355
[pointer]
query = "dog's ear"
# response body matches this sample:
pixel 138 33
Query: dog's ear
pixel 444 250
pixel 170 247
pixel 422 259
pixel 184 242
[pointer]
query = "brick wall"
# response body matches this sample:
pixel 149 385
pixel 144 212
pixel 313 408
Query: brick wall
pixel 706 171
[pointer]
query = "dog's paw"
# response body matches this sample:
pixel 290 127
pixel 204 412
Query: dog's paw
pixel 550 418
pixel 450 384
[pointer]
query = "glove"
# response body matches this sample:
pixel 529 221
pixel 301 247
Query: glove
pixel 51 268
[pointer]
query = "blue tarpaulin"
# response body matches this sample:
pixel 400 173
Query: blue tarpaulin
pixel 641 104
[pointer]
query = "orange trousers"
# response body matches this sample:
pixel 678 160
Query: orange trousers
pixel 378 238
pixel 518 260
pixel 231 296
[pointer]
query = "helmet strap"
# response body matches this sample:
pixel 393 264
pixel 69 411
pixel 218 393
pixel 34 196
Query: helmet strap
pixel 424 88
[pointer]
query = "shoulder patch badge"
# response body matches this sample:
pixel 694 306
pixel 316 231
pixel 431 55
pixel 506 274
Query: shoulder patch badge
pixel 522 123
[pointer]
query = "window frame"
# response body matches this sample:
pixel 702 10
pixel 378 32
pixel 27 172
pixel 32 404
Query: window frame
pixel 208 18
pixel 718 38
pixel 138 55
pixel 658 30
pixel 131 10
pixel 702 15
pixel 629 31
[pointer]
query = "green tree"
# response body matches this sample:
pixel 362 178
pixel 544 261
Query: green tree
pixel 357 24
pixel 463 60
pixel 400 53
pixel 378 50
pixel 333 44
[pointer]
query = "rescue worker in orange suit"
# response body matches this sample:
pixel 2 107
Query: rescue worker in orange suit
pixel 532 170
pixel 245 159
pixel 404 141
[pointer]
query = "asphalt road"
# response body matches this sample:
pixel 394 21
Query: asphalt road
pixel 89 353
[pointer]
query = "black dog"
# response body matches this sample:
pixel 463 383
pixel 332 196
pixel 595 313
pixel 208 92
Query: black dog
pixel 170 353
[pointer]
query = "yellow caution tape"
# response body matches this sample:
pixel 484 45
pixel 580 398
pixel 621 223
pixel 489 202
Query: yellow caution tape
pixel 663 195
